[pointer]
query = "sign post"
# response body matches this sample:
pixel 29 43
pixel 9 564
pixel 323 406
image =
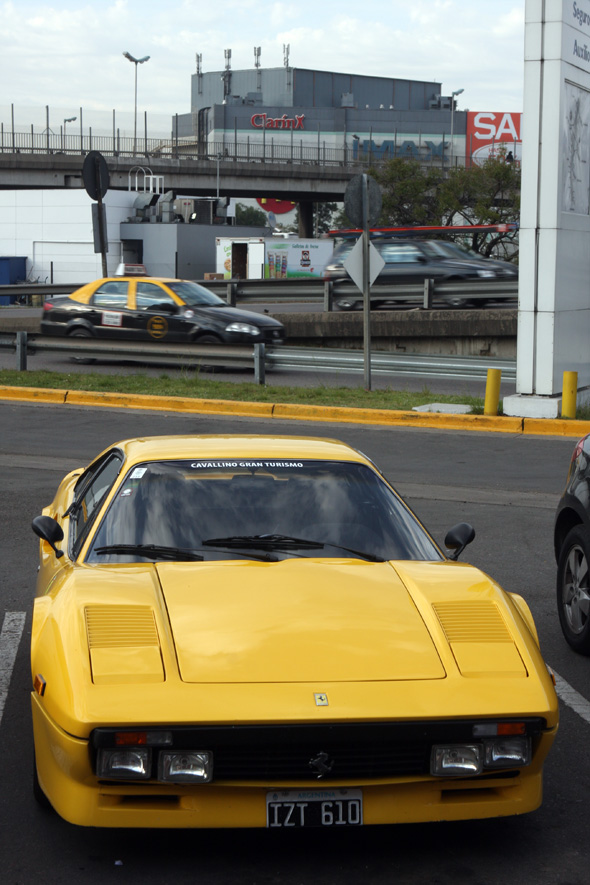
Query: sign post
pixel 362 204
pixel 95 174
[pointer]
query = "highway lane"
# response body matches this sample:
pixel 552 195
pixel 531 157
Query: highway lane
pixel 277 377
pixel 506 485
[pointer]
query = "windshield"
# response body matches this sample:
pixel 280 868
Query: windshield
pixel 193 294
pixel 262 509
pixel 453 250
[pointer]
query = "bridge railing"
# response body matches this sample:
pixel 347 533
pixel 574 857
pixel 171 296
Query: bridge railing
pixel 270 149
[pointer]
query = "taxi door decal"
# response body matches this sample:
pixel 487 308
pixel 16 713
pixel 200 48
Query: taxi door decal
pixel 157 326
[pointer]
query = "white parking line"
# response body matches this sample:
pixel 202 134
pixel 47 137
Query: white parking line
pixel 12 630
pixel 571 697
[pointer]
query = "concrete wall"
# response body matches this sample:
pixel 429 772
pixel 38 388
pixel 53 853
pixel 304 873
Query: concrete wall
pixel 53 230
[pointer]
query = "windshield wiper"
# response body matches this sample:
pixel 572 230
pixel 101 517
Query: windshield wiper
pixel 152 551
pixel 370 557
pixel 285 542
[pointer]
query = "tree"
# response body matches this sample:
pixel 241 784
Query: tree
pixel 486 193
pixel 323 214
pixel 409 193
pixel 250 216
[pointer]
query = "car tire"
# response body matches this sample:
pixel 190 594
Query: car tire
pixel 81 333
pixel 38 794
pixel 573 590
pixel 209 338
pixel 456 300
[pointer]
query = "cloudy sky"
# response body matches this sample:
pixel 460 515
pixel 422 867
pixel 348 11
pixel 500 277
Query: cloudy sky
pixel 68 54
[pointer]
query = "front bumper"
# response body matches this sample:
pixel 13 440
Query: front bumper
pixel 66 776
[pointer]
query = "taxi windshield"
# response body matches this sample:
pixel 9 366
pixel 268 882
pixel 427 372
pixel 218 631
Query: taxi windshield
pixel 193 294
pixel 220 509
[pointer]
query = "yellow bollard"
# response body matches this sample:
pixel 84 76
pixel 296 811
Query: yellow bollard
pixel 492 392
pixel 569 395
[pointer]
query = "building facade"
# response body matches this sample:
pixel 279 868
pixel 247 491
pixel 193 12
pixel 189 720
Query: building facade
pixel 344 115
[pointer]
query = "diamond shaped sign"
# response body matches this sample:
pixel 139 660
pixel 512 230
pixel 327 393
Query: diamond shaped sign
pixel 354 264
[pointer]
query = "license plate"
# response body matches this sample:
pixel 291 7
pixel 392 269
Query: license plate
pixel 314 808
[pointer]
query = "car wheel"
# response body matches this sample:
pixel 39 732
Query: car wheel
pixel 38 794
pixel 573 590
pixel 349 304
pixel 81 333
pixel 209 338
pixel 456 300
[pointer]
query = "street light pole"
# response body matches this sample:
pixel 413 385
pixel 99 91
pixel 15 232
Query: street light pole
pixel 66 120
pixel 136 61
pixel 453 94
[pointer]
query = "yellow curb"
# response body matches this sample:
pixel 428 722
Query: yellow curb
pixel 294 411
pixel 41 394
pixel 166 403
pixel 440 420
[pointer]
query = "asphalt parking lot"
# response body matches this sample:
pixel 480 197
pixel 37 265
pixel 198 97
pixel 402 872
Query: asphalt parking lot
pixel 507 485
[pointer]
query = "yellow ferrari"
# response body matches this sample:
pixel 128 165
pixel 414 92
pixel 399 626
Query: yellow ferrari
pixel 256 631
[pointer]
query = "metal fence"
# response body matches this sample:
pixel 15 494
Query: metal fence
pixel 327 292
pixel 257 357
pixel 313 149
pixel 269 150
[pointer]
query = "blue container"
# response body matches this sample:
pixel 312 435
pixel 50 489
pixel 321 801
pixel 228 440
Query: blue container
pixel 12 270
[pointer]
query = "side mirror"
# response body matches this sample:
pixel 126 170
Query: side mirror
pixel 458 537
pixel 46 528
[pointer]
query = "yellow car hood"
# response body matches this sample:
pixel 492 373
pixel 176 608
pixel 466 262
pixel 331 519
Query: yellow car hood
pixel 318 621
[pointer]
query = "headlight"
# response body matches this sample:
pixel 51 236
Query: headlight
pixel 185 767
pixel 131 764
pixel 486 274
pixel 508 752
pixel 245 328
pixel 456 760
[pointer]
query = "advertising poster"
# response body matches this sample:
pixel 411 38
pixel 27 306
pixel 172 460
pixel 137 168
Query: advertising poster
pixel 491 134
pixel 291 259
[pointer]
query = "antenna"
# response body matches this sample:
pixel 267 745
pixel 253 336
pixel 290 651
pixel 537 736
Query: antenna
pixel 199 58
pixel 286 47
pixel 257 56
pixel 226 76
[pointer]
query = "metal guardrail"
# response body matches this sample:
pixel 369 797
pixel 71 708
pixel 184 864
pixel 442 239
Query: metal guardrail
pixel 270 291
pixel 258 357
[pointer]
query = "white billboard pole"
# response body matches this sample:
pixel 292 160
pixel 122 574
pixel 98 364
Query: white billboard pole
pixel 554 276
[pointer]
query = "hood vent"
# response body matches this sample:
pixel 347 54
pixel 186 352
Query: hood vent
pixel 480 640
pixel 123 644
pixel 472 622
pixel 120 626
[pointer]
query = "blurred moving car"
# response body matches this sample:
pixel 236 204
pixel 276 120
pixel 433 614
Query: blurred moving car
pixel 448 249
pixel 572 550
pixel 251 631
pixel 157 309
pixel 410 261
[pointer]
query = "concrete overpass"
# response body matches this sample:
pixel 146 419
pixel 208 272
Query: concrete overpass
pixel 301 182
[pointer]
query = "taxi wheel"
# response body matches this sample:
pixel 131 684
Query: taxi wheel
pixel 209 338
pixel 81 333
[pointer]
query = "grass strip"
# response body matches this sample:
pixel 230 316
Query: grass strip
pixel 198 385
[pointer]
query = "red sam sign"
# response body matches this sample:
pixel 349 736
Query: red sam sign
pixel 263 121
pixel 486 131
